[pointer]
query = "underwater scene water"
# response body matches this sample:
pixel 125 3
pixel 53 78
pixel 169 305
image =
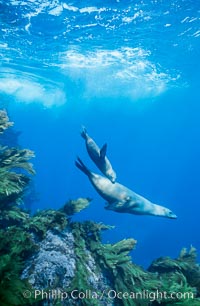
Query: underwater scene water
pixel 129 71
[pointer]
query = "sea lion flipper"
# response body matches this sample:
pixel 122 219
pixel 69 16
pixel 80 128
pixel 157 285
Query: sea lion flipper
pixel 106 204
pixel 130 201
pixel 103 151
pixel 79 164
pixel 119 204
pixel 116 204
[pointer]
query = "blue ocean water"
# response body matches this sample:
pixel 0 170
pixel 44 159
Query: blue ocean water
pixel 129 72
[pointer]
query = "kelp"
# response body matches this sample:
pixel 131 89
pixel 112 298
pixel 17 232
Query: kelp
pixel 111 259
pixel 80 280
pixel 13 178
pixel 180 275
pixel 87 271
pixel 46 220
pixel 13 158
pixel 13 216
pixel 4 121
pixel 14 167
pixel 15 246
pixel 75 206
pixel 165 276
pixel 12 186
pixel 12 183
pixel 50 219
pixel 18 242
pixel 189 267
pixel 115 255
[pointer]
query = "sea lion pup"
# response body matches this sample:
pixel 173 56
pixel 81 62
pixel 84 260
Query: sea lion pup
pixel 99 156
pixel 121 199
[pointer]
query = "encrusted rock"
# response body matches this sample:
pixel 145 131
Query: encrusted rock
pixel 53 266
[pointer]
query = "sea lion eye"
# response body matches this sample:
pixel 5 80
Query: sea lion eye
pixel 172 215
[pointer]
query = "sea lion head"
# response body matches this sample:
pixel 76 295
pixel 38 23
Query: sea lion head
pixel 158 210
pixel 167 213
pixel 171 215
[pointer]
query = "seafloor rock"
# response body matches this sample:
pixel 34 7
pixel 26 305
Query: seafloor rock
pixel 54 264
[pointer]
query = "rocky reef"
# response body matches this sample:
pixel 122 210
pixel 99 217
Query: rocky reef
pixel 48 259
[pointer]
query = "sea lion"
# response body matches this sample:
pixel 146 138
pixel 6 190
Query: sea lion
pixel 121 199
pixel 99 156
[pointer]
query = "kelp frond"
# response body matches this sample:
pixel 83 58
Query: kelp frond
pixel 15 245
pixel 13 162
pixel 188 256
pixel 46 220
pixel 4 121
pixel 12 158
pixel 13 216
pixel 75 206
pixel 11 182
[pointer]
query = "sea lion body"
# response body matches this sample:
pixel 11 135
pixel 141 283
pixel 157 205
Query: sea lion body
pixel 99 156
pixel 122 199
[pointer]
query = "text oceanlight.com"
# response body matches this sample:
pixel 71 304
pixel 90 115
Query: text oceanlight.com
pixel 57 294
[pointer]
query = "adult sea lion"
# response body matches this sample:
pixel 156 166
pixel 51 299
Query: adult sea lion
pixel 99 156
pixel 121 199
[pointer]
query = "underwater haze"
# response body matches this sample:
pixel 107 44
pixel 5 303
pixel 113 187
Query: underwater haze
pixel 129 71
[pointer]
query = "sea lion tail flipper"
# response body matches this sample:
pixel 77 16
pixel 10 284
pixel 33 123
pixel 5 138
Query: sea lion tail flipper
pixel 80 165
pixel 103 151
pixel 84 132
